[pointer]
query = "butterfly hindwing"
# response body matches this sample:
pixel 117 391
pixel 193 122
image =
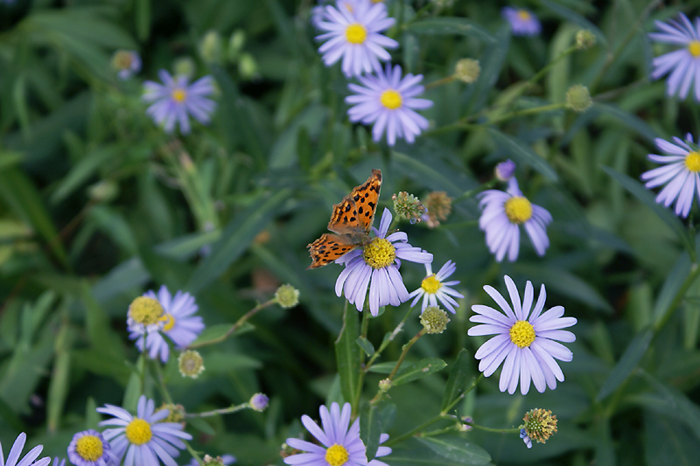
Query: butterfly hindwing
pixel 328 248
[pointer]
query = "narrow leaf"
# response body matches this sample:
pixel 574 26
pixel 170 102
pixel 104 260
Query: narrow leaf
pixel 370 429
pixel 456 383
pixel 419 370
pixel 347 355
pixel 627 363
pixel 447 26
pixel 575 18
pixel 456 449
pixel 674 281
pixel 366 345
pixel 522 153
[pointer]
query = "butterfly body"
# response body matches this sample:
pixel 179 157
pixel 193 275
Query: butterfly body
pixel 351 222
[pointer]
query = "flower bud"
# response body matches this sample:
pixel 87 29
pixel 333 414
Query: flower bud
pixel 434 319
pixel 235 44
pixel 585 39
pixel 408 207
pixel 578 98
pixel 439 206
pixel 259 402
pixel 504 171
pixel 184 66
pixel 177 412
pixel 467 70
pixel 287 296
pixel 385 385
pixel 540 424
pixel 210 47
pixel 190 363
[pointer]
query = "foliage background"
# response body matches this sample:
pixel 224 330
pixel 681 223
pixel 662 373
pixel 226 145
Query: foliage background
pixel 97 205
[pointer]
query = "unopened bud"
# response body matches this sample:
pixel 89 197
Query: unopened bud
pixel 385 385
pixel 505 170
pixel 287 296
pixel 259 402
pixel 210 47
pixel 184 66
pixel 177 412
pixel 408 207
pixel 467 70
pixel 434 319
pixel 578 98
pixel 585 39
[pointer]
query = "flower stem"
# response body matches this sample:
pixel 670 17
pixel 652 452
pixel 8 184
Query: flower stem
pixel 235 326
pixel 386 342
pixel 377 398
pixel 411 433
pixel 440 82
pixel 218 412
pixel 475 382
pixel 527 111
pixel 475 191
pixel 511 430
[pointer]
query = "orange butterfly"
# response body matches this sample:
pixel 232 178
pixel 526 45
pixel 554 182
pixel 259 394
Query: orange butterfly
pixel 352 221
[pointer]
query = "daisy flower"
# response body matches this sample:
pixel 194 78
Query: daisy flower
pixel 144 438
pixel 680 172
pixel 389 101
pixel 377 265
pixel 528 342
pixel 434 288
pixel 353 34
pixel 179 324
pixel 503 213
pixel 683 64
pixel 176 99
pixel 126 63
pixel 89 448
pixel 340 445
pixel 13 458
pixel 522 22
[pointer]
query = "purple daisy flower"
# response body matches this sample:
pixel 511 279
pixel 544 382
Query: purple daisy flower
pixel 684 63
pixel 179 324
pixel 434 288
pixel 89 448
pixel 502 216
pixel 522 22
pixel 377 265
pixel 13 459
pixel 353 34
pixel 389 100
pixel 680 172
pixel 176 99
pixel 528 342
pixel 126 63
pixel 144 437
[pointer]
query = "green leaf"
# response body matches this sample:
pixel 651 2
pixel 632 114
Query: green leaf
pixel 627 363
pixel 143 19
pixel 92 417
pixel 201 425
pixel 347 355
pixel 419 370
pixel 133 387
pixel 456 383
pixel 81 172
pixel 575 18
pixel 366 345
pixel 672 285
pixel 647 198
pixel 494 58
pixel 370 429
pixel 58 389
pixel 522 153
pixel 444 25
pixel 235 238
pixel 456 449
pixel 666 441
pixel 631 121
pixel 420 455
pixel 385 367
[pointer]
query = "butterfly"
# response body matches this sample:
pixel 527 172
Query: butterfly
pixel 352 221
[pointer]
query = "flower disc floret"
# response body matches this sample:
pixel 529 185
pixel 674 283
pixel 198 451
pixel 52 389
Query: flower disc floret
pixel 89 447
pixel 379 253
pixel 518 209
pixel 146 311
pixel 337 455
pixel 522 334
pixel 391 99
pixel 692 161
pixel 540 424
pixel 138 432
pixel 356 33
pixel 431 284
pixel 694 48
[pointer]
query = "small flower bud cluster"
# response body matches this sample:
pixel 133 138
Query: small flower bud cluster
pixel 385 385
pixel 467 70
pixel 434 319
pixel 408 207
pixel 287 296
pixel 439 206
pixel 177 412
pixel 585 39
pixel 190 363
pixel 578 98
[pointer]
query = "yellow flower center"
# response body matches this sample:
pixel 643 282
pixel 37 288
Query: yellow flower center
pixel 694 48
pixel 138 432
pixel 179 95
pixel 524 15
pixel 692 161
pixel 337 455
pixel 356 33
pixel 431 284
pixel 122 60
pixel 518 209
pixel 379 253
pixel 89 447
pixel 522 333
pixel 146 311
pixel 169 322
pixel 391 99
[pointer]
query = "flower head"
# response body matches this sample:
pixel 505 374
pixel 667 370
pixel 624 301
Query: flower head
pixel 353 34
pixel 585 39
pixel 176 99
pixel 681 172
pixel 503 213
pixel 190 364
pixel 578 98
pixel 434 288
pixel 30 459
pixel 143 438
pixel 389 101
pixel 522 22
pixel 178 324
pixel 528 342
pixel 540 424
pixel 126 63
pixel 377 265
pixel 683 64
pixel 89 448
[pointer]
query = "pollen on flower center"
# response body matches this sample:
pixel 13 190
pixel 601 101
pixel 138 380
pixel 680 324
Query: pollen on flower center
pixel 391 99
pixel 169 322
pixel 379 253
pixel 518 209
pixel 89 447
pixel 431 284
pixel 692 160
pixel 179 95
pixel 356 33
pixel 522 334
pixel 138 432
pixel 337 455
pixel 694 48
pixel 145 310
pixel 524 15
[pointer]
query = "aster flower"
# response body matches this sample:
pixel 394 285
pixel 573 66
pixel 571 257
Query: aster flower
pixel 179 324
pixel 176 99
pixel 377 265
pixel 353 34
pixel 389 101
pixel 503 213
pixel 144 438
pixel 683 64
pixel 340 445
pixel 30 459
pixel 126 63
pixel 226 459
pixel 680 173
pixel 89 448
pixel 434 288
pixel 528 342
pixel 522 22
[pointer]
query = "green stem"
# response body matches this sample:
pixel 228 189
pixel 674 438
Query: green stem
pixel 411 433
pixel 377 398
pixel 161 382
pixel 218 412
pixel 475 191
pixel 511 430
pixel 695 272
pixel 386 342
pixel 475 382
pixel 527 111
pixel 440 82
pixel 540 74
pixel 361 379
pixel 193 452
pixel 235 326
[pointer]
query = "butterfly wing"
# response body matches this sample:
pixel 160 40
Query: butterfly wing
pixel 328 248
pixel 354 215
